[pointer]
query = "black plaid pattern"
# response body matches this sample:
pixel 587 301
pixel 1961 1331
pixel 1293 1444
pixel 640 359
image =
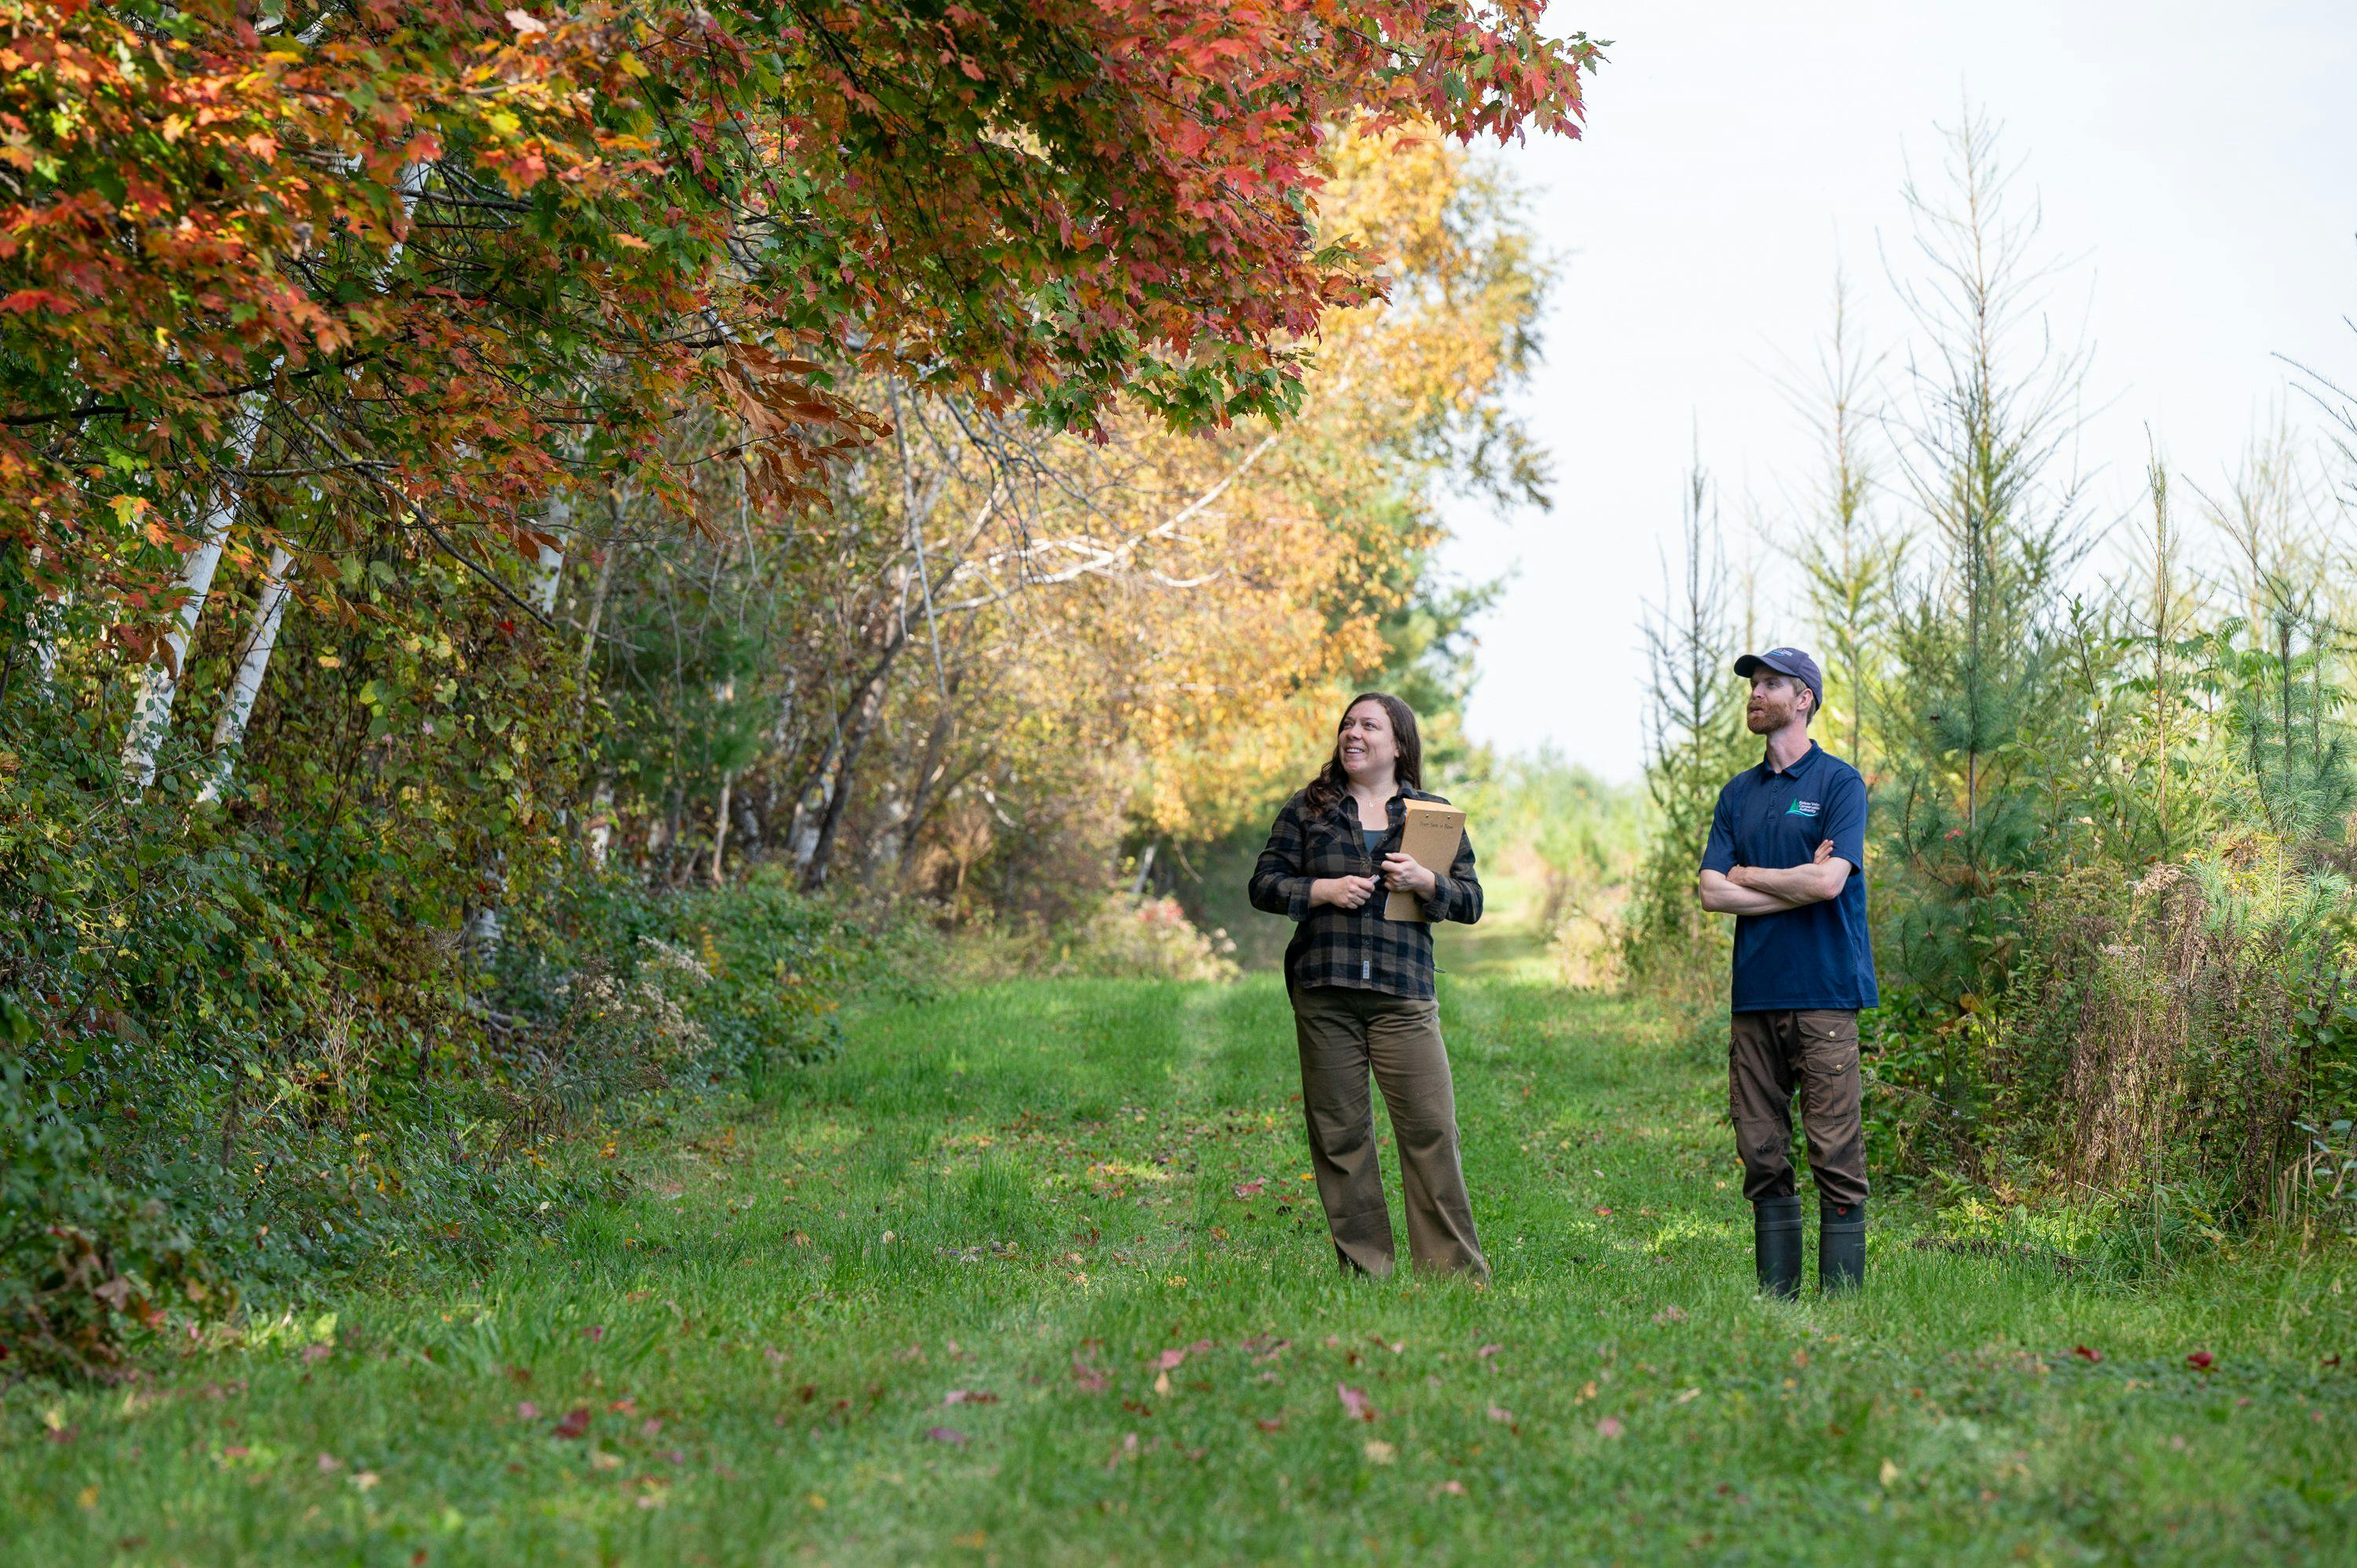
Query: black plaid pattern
pixel 1356 947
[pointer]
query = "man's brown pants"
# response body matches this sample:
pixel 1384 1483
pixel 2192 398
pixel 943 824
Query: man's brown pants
pixel 1771 1054
pixel 1345 1034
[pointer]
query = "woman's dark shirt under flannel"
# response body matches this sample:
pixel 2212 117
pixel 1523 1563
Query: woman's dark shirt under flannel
pixel 1357 948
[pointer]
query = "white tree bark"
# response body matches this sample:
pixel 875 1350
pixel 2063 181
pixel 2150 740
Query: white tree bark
pixel 720 825
pixel 601 823
pixel 159 682
pixel 252 663
pixel 41 632
pixel 552 556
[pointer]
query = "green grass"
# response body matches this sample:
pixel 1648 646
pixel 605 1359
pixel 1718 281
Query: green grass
pixel 1030 1192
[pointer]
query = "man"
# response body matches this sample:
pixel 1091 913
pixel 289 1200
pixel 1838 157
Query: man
pixel 1787 859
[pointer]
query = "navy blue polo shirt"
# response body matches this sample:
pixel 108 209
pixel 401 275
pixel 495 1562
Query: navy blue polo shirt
pixel 1817 956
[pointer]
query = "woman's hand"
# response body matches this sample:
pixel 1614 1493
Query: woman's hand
pixel 1403 872
pixel 1342 892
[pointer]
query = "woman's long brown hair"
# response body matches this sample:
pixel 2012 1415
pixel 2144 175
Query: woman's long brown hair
pixel 1331 782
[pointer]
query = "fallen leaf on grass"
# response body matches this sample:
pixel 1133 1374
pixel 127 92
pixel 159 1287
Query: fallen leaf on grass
pixel 328 1464
pixel 1889 1475
pixel 1608 1428
pixel 1688 1394
pixel 575 1423
pixel 602 1460
pixel 969 1396
pixel 593 1333
pixel 1501 1415
pixel 972 1541
pixel 1355 1402
pixel 2086 1354
pixel 1250 1190
pixel 1671 1313
pixel 949 1434
pixel 1451 1489
pixel 1161 1382
pixel 1487 1351
pixel 1381 1451
pixel 2202 1360
pixel 1169 1360
pixel 1602 1209
pixel 1267 1424
pixel 527 1410
pixel 365 1480
pixel 1087 1377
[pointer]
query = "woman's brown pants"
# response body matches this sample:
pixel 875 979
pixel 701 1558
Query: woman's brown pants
pixel 1345 1034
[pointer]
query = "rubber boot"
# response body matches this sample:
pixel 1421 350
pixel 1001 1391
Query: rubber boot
pixel 1841 1247
pixel 1776 1245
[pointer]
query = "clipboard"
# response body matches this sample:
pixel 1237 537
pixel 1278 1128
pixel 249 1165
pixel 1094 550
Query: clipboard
pixel 1429 836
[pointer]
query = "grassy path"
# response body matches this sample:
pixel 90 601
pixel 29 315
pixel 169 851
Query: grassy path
pixel 1031 1274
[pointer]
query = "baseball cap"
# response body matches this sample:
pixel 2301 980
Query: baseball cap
pixel 1786 661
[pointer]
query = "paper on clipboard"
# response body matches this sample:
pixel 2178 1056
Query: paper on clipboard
pixel 1429 837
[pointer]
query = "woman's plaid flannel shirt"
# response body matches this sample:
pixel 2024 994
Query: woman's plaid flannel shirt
pixel 1356 947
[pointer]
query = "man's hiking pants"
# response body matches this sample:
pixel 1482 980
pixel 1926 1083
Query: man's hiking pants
pixel 1770 1055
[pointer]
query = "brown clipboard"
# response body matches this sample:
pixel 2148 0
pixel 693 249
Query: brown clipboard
pixel 1429 837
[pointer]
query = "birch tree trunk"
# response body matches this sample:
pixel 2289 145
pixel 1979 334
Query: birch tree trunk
pixel 720 825
pixel 551 573
pixel 252 663
pixel 159 680
pixel 601 823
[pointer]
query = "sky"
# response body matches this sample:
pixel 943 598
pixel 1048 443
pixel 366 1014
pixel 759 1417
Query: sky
pixel 2196 169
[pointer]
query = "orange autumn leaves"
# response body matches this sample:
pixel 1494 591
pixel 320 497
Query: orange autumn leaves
pixel 1198 678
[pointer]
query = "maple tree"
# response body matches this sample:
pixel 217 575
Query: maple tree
pixel 424 236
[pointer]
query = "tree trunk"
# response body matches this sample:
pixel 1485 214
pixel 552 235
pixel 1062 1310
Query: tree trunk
pixel 863 722
pixel 159 682
pixel 550 573
pixel 252 663
pixel 720 825
pixel 601 823
pixel 931 768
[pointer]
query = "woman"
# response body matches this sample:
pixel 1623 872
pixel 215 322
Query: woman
pixel 1361 991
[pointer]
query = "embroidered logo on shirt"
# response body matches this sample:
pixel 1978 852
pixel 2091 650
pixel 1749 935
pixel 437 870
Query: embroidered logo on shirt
pixel 1804 808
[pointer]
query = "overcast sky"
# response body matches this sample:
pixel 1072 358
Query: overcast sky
pixel 2197 161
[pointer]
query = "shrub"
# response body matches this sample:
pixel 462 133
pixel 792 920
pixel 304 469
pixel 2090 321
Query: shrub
pixel 2188 1039
pixel 1127 936
pixel 85 1266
